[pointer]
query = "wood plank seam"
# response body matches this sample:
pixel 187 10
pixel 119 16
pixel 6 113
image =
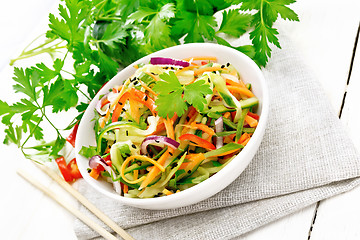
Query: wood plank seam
pixel 350 70
pixel 340 112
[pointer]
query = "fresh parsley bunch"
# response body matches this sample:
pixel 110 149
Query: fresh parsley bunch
pixel 99 36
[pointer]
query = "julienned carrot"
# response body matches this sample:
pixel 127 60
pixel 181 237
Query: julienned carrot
pixel 154 171
pixel 126 188
pixel 240 90
pixel 184 165
pixel 251 121
pixel 243 138
pixel 212 58
pixel 185 69
pixel 226 115
pixel 191 117
pixel 204 128
pixel 94 173
pixel 194 160
pixel 134 110
pixel 231 82
pixel 161 125
pixel 148 89
pixel 169 128
pixel 197 140
pixel 207 69
pixel 245 142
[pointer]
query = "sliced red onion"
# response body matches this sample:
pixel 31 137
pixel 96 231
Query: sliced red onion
pixel 168 61
pixel 219 127
pixel 99 104
pixel 156 140
pixel 95 161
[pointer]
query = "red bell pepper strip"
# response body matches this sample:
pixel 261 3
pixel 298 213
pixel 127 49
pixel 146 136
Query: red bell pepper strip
pixel 72 136
pixel 74 170
pixel 198 140
pixel 63 169
pixel 254 115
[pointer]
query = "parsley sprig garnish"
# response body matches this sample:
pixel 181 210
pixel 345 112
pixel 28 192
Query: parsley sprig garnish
pixel 175 98
pixel 89 40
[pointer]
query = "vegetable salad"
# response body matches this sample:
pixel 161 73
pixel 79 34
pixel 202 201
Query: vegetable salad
pixel 171 125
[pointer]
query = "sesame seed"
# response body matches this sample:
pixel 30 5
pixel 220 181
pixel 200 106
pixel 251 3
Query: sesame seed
pixel 133 146
pixel 228 64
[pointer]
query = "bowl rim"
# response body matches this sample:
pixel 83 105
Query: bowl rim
pixel 214 179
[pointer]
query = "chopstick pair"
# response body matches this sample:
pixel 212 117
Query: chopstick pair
pixel 103 232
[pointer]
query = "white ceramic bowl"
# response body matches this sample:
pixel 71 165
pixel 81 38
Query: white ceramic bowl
pixel 249 72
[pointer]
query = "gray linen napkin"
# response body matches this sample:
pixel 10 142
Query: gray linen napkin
pixel 305 157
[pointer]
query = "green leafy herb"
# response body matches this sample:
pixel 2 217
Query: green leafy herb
pixel 264 32
pixel 88 152
pixel 175 98
pixel 90 40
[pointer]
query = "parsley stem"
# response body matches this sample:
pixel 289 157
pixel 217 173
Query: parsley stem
pixel 261 12
pixel 30 53
pixel 56 129
pixel 78 88
pixel 109 18
pixel 31 133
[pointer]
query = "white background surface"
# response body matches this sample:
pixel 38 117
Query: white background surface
pixel 325 37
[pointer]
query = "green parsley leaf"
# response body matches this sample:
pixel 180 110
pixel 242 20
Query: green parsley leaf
pixel 235 23
pixel 114 33
pixel 4 108
pixel 170 83
pixel 196 27
pixel 195 93
pixel 168 105
pixel 88 152
pixel 170 99
pixel 69 27
pixel 28 81
pixel 157 31
pixel 13 135
pixel 264 33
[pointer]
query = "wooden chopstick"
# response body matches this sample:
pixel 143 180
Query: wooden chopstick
pixel 86 203
pixel 67 205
